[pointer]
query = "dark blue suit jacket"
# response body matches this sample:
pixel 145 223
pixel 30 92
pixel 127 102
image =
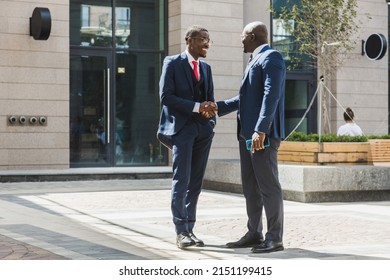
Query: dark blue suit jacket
pixel 260 102
pixel 177 95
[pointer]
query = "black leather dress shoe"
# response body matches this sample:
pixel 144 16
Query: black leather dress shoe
pixel 268 246
pixel 198 242
pixel 184 240
pixel 248 240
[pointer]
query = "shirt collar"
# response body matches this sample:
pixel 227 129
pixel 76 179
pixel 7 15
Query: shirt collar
pixel 190 58
pixel 258 49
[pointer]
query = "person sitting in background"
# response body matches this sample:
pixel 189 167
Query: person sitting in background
pixel 350 128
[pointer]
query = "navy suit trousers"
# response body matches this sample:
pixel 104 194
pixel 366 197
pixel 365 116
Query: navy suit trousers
pixel 261 188
pixel 191 148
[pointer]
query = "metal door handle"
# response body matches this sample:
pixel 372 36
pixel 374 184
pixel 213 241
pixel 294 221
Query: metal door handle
pixel 108 106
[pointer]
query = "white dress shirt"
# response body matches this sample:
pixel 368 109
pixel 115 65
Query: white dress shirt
pixel 190 60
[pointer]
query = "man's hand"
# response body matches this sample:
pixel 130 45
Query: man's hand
pixel 208 109
pixel 257 141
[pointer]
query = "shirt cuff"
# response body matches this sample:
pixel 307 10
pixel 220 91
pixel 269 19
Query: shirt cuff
pixel 196 107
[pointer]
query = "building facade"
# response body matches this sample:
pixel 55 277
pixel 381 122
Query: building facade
pixel 88 94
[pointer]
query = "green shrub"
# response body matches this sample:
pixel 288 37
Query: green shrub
pixel 302 137
pixel 387 136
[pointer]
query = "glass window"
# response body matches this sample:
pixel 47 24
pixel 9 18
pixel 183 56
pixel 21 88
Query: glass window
pixel 137 109
pixel 297 99
pixel 122 32
pixel 296 95
pixel 116 50
pixel 88 76
pixel 300 74
pixel 138 24
pixel 283 41
pixel 291 123
pixel 91 23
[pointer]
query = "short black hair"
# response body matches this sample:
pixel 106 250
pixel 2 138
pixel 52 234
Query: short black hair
pixel 194 30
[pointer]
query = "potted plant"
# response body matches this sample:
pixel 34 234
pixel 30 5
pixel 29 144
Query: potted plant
pixel 303 148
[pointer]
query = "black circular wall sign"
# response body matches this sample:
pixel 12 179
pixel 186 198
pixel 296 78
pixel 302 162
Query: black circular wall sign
pixel 40 24
pixel 375 47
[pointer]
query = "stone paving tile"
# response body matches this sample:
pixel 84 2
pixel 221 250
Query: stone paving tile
pixel 137 215
pixel 11 249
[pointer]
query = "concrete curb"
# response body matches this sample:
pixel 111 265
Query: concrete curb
pixel 311 183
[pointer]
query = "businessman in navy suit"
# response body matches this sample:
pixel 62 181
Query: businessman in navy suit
pixel 260 107
pixel 187 91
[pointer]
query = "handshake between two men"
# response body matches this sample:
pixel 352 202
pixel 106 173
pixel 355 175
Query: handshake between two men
pixel 208 109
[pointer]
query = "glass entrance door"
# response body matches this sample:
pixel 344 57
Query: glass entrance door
pixel 116 49
pixel 90 104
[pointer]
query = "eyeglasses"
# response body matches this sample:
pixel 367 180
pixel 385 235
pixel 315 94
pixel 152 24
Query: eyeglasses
pixel 204 40
pixel 246 34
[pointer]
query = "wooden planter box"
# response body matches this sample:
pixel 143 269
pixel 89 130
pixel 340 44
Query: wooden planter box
pixel 327 153
pixel 379 152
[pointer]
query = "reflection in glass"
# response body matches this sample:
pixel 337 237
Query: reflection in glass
pixel 138 24
pixel 296 95
pixel 291 123
pixel 296 102
pixel 137 109
pixel 134 33
pixel 285 42
pixel 97 31
pixel 122 31
pixel 91 23
pixel 87 123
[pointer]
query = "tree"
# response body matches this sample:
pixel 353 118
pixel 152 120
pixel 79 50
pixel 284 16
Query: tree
pixel 325 31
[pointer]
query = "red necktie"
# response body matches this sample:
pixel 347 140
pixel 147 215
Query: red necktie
pixel 196 70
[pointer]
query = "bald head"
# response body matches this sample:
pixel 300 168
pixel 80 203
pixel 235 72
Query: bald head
pixel 260 31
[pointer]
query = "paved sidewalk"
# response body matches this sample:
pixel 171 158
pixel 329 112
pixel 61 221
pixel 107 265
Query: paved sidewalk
pixel 131 219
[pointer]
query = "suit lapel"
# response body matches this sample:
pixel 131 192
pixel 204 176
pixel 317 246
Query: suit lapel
pixel 202 67
pixel 254 60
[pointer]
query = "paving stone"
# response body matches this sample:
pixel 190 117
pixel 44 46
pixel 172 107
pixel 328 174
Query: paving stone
pixel 131 219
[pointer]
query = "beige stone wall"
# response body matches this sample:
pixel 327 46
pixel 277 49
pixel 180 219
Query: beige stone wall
pixel 34 75
pixel 229 66
pixel 255 10
pixel 34 81
pixel 224 20
pixel 362 84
